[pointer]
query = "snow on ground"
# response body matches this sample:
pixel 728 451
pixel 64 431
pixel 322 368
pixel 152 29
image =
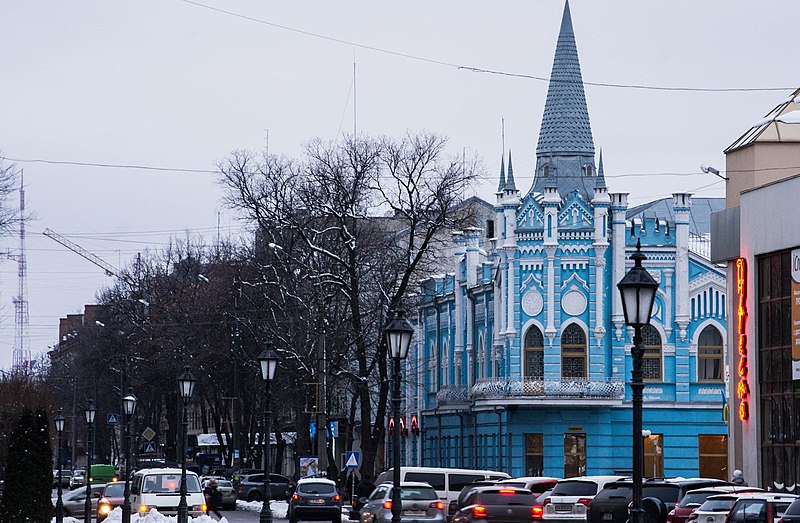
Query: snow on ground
pixel 152 517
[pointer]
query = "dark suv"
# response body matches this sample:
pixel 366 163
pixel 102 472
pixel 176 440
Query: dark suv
pixel 315 499
pixel 659 496
pixel 251 487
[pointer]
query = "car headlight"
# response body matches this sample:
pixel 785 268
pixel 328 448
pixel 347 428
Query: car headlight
pixel 144 508
pixel 201 508
pixel 104 509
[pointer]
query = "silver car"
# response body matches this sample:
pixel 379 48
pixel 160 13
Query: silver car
pixel 420 503
pixel 74 500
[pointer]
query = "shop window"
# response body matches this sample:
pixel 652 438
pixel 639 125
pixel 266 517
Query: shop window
pixel 654 456
pixel 709 355
pixel 534 454
pixel 574 455
pixel 651 362
pixel 713 456
pixel 534 354
pixel 573 352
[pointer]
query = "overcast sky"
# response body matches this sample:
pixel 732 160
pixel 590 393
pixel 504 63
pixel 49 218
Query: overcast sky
pixel 173 83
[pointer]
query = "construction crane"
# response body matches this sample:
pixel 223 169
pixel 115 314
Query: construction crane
pixel 109 269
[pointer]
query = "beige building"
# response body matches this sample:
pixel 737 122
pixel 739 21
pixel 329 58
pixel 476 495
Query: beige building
pixel 756 236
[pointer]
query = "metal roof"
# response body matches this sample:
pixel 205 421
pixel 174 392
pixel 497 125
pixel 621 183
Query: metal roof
pixel 782 124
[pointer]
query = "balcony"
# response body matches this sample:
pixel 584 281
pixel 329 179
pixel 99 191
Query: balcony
pixel 521 388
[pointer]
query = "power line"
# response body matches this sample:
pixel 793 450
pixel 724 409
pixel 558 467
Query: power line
pixel 110 165
pixel 475 69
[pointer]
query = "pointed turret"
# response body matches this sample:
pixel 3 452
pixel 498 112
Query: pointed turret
pixel 510 185
pixel 502 185
pixel 600 182
pixel 565 137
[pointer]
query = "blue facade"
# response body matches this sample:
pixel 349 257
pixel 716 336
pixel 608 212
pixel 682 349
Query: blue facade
pixel 522 353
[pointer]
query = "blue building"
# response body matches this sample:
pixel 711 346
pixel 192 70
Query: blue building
pixel 522 352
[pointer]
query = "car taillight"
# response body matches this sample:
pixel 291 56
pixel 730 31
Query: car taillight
pixel 479 511
pixel 536 512
pixel 386 504
pixel 546 502
pixel 438 505
pixel 295 497
pixel 585 501
pixel 336 497
pixel 506 491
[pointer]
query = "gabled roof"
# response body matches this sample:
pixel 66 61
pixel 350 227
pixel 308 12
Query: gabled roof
pixel 782 124
pixel 565 123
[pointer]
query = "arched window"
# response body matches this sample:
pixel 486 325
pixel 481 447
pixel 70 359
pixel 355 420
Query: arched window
pixel 573 352
pixel 651 363
pixel 709 355
pixel 534 353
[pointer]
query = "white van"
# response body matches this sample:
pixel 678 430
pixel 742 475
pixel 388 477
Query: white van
pixel 161 489
pixel 446 481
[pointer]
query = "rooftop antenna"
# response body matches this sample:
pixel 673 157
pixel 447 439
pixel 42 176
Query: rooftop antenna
pixel 354 93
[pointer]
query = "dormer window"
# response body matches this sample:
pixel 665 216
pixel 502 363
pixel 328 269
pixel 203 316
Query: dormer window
pixel 587 168
pixel 545 170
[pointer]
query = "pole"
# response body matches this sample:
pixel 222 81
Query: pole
pixel 636 392
pixel 126 505
pixel 396 503
pixel 183 509
pixel 87 504
pixel 59 502
pixel 266 436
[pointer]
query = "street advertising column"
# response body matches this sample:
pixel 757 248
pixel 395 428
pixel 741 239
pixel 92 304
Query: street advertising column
pixel 796 314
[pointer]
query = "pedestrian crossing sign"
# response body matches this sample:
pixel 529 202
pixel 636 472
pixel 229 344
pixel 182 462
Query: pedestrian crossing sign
pixel 351 459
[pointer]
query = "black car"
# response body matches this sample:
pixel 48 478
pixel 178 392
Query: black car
pixel 315 499
pixel 457 503
pixel 792 513
pixel 496 503
pixel 251 487
pixel 659 496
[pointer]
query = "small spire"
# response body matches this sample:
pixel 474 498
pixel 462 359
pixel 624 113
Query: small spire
pixel 510 185
pixel 600 183
pixel 502 185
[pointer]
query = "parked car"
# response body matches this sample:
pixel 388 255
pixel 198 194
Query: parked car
pixel 497 503
pixel 791 514
pixel 759 507
pixel 315 499
pixel 66 475
pixel 611 504
pixel 420 503
pixel 74 501
pixel 78 479
pixel 225 487
pixel 536 484
pixel 694 498
pixel 570 497
pixel 113 497
pixel 715 509
pixel 251 487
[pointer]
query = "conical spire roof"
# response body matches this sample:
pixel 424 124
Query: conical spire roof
pixel 565 123
pixel 502 185
pixel 600 182
pixel 510 185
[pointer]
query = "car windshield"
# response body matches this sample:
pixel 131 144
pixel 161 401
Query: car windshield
pixel 614 492
pixel 117 490
pixel 79 473
pixel 574 488
pixel 515 497
pixel 168 484
pixel 666 493
pixel 316 488
pixel 221 483
pixel 518 484
pixel 717 505
pixel 417 493
pixel 695 497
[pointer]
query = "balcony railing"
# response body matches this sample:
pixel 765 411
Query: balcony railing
pixel 500 388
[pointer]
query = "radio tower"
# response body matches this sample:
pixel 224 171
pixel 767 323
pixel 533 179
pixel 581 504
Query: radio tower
pixel 22 351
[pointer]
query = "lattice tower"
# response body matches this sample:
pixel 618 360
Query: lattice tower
pixel 21 362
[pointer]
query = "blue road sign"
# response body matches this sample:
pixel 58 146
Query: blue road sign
pixel 149 447
pixel 112 418
pixel 352 459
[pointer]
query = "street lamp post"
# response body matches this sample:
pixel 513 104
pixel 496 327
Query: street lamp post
pixel 638 290
pixel 269 362
pixel 129 406
pixel 59 421
pixel 398 337
pixel 89 413
pixel 186 383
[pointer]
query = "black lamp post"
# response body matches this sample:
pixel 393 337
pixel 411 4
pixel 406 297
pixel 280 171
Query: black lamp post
pixel 638 291
pixel 89 413
pixel 129 406
pixel 186 383
pixel 269 362
pixel 398 337
pixel 59 421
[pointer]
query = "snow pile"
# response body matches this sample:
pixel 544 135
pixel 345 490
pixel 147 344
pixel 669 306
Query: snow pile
pixel 279 508
pixel 152 517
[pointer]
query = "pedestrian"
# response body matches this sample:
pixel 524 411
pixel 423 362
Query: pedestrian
pixel 738 478
pixel 213 498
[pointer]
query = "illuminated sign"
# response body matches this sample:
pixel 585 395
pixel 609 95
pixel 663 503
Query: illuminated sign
pixel 743 385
